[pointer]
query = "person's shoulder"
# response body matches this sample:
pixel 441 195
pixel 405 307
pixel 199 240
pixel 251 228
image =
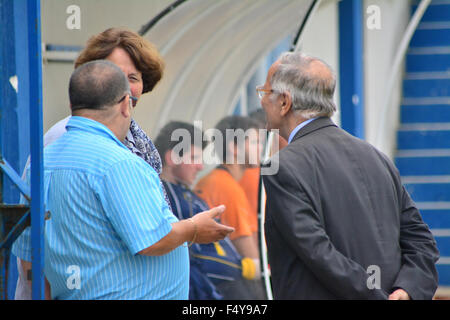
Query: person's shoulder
pixel 215 178
pixel 124 157
pixel 174 189
pixel 297 151
pixel 56 131
pixel 218 181
pixel 130 168
pixel 297 158
pixel 250 174
pixel 208 177
pixel 96 156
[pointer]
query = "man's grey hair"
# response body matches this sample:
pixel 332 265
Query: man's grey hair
pixel 311 90
pixel 97 85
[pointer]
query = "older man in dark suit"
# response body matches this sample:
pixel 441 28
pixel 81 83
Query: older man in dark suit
pixel 339 224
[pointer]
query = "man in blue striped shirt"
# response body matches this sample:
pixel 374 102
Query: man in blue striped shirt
pixel 111 234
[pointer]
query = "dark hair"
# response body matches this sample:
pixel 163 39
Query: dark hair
pixel 144 55
pixel 232 124
pixel 165 141
pixel 97 85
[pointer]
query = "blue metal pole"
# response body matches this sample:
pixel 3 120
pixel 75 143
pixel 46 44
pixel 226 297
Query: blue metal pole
pixel 8 98
pixel 36 146
pixel 23 98
pixel 351 63
pixel 8 104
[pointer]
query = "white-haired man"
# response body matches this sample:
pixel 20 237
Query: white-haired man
pixel 339 224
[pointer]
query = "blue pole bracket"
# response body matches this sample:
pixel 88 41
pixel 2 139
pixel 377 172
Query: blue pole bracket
pixel 11 174
pixel 17 218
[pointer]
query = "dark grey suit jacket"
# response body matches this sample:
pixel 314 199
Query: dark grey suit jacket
pixel 337 208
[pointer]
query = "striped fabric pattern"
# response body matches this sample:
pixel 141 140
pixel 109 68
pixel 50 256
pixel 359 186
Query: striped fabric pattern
pixel 106 205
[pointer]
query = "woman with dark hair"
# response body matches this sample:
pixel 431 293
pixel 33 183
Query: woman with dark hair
pixel 148 64
pixel 143 66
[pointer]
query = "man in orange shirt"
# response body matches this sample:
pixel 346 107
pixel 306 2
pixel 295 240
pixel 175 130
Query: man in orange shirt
pixel 221 186
pixel 250 180
pixel 238 149
pixel 250 184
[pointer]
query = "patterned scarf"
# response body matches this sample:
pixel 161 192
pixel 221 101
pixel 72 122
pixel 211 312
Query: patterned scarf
pixel 141 145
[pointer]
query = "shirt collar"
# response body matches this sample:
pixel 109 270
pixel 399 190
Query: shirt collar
pixel 297 129
pixel 92 126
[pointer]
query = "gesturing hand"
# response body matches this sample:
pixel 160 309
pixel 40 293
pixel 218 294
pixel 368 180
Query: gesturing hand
pixel 208 230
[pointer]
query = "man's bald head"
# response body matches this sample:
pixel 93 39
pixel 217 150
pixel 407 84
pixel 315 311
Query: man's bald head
pixel 97 85
pixel 310 81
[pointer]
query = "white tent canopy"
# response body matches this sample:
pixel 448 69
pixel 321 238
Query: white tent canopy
pixel 211 49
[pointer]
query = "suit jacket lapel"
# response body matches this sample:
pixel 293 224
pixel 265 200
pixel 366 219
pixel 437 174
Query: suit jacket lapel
pixel 317 124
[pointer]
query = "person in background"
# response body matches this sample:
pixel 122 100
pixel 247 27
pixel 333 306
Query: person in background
pixel 215 266
pixel 236 151
pixel 250 181
pixel 339 223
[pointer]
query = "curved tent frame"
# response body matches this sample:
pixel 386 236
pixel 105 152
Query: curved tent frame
pixel 211 49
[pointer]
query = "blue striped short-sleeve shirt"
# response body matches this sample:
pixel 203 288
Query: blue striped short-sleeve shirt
pixel 106 205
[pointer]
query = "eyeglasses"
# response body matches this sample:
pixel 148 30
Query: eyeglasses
pixel 130 100
pixel 261 92
pixel 133 99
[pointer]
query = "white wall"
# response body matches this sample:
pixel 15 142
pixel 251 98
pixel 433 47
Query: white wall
pixel 321 40
pixel 380 48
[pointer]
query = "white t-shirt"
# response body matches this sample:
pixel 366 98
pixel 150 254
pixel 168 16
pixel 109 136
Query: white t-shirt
pixel 23 290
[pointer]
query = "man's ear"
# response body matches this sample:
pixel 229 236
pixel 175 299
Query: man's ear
pixel 286 103
pixel 125 109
